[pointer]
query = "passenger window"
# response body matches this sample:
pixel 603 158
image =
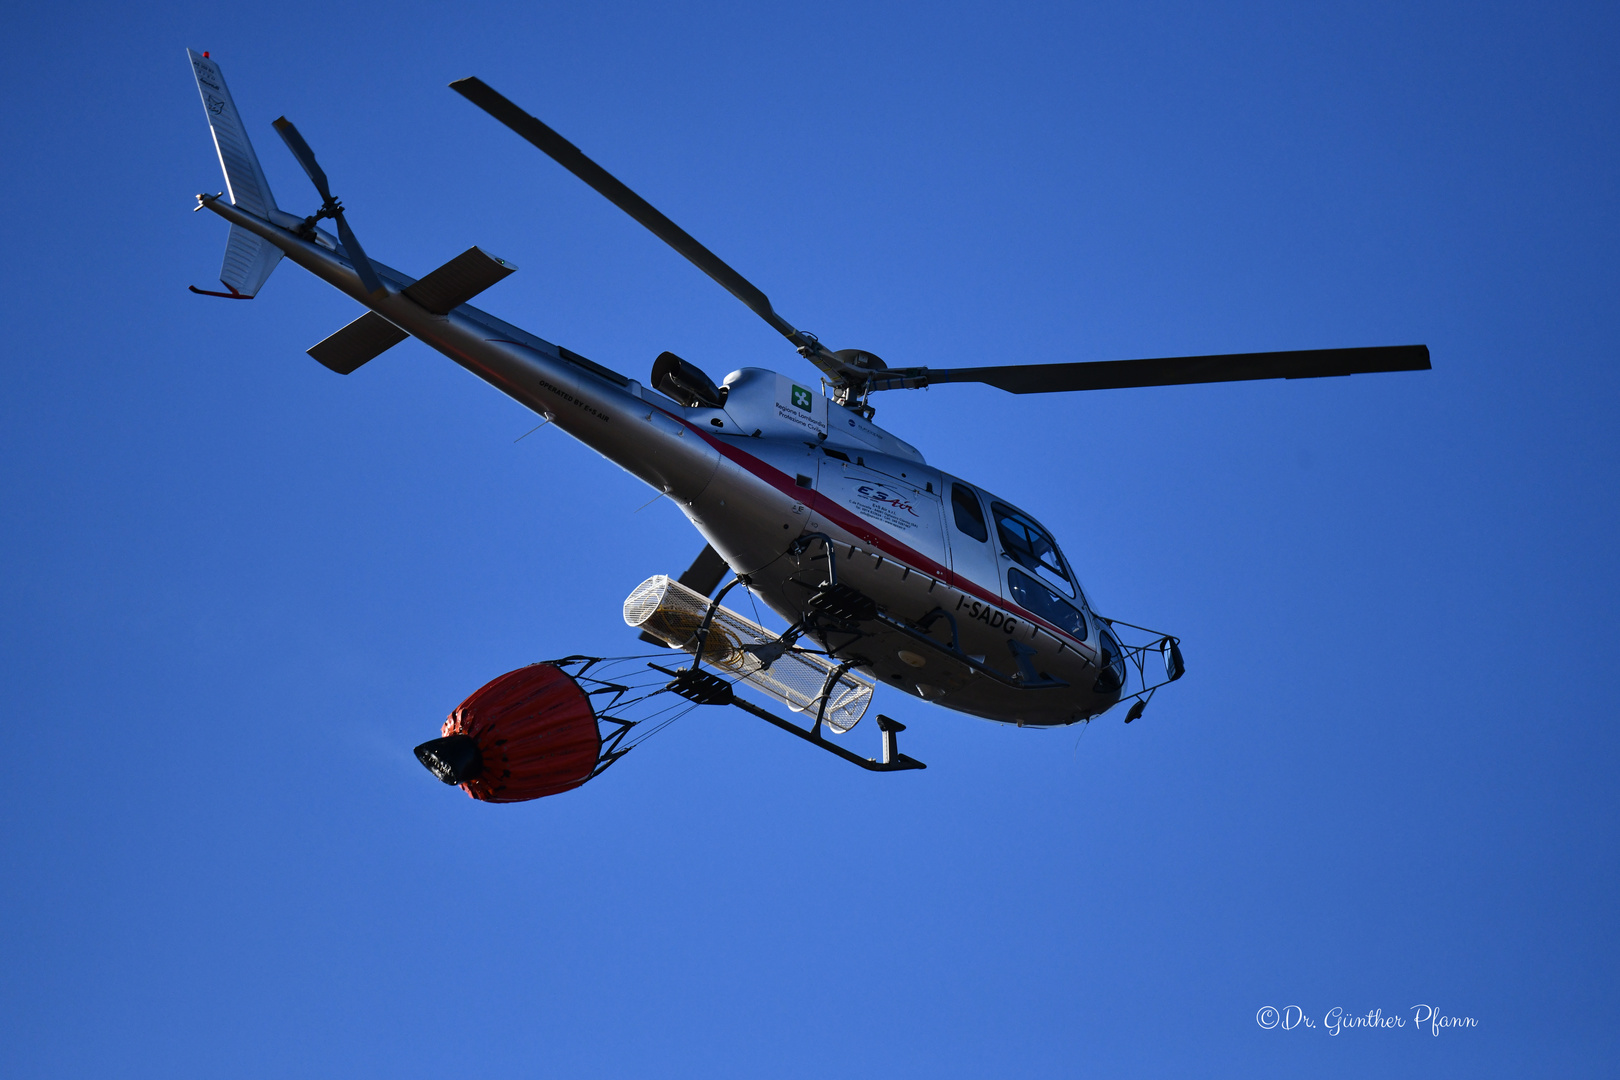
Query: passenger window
pixel 1034 596
pixel 969 515
pixel 1029 545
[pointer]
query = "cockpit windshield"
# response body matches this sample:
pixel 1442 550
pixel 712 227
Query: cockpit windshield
pixel 1032 547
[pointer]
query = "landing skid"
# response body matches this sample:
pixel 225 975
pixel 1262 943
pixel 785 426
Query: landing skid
pixel 706 689
pixel 892 760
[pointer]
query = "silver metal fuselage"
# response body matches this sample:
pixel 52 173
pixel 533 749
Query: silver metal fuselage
pixel 779 462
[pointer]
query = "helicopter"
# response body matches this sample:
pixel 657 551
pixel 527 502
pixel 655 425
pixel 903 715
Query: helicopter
pixel 886 569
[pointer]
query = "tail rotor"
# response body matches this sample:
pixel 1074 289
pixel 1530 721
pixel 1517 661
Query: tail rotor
pixel 330 207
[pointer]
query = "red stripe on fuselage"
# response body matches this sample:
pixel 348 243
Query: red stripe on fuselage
pixel 864 529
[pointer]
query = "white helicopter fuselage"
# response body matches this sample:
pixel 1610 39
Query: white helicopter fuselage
pixel 777 478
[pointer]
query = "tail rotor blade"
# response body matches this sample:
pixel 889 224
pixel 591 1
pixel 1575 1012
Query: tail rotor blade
pixel 306 157
pixel 330 206
pixel 357 255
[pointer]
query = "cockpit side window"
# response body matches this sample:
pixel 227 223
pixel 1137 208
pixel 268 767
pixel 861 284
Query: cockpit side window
pixel 969 514
pixel 1032 547
pixel 1036 596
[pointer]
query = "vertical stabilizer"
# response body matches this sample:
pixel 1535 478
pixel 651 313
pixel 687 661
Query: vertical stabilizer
pixel 248 258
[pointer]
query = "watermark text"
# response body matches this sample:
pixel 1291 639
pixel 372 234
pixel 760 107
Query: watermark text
pixel 1338 1020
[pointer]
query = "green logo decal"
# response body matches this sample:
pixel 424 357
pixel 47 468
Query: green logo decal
pixel 801 398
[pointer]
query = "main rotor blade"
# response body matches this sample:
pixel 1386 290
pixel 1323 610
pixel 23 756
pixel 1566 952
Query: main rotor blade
pixel 306 157
pixel 1166 371
pixel 571 158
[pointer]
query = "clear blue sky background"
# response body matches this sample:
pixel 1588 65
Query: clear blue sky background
pixel 238 588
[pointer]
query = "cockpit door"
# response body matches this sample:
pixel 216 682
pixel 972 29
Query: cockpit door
pixel 971 536
pixel 1035 574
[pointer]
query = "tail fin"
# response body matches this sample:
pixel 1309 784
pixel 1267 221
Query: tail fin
pixel 248 258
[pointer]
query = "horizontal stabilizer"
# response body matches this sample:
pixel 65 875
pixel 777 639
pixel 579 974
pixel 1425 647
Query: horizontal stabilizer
pixel 368 336
pixel 458 281
pixel 442 291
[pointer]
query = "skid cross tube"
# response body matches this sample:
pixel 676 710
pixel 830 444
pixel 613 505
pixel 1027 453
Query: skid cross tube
pixel 826 693
pixel 926 623
pixel 802 544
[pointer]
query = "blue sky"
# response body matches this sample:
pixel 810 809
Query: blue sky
pixel 239 588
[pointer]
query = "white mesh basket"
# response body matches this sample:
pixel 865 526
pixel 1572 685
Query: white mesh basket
pixel 673 613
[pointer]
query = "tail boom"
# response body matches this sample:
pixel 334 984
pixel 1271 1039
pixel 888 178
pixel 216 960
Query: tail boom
pixel 603 409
